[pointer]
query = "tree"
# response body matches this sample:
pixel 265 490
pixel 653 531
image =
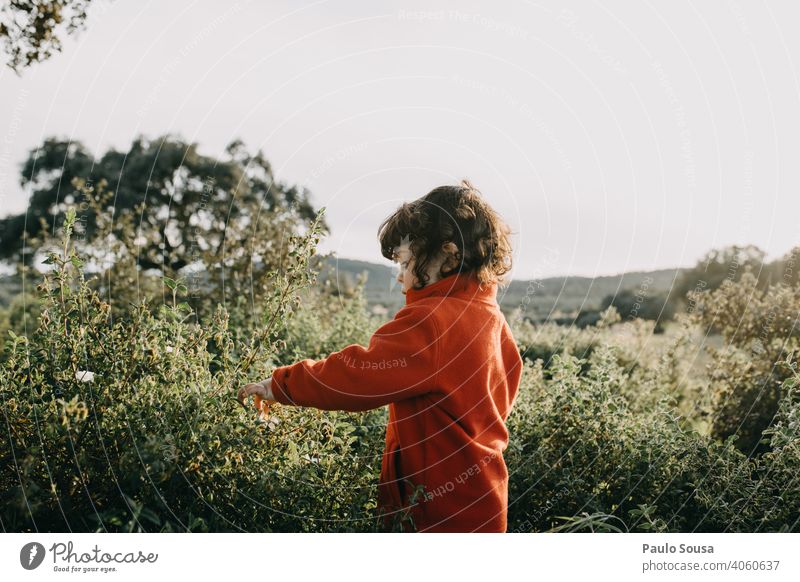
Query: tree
pixel 163 210
pixel 31 29
pixel 718 265
pixel 786 269
pixel 189 202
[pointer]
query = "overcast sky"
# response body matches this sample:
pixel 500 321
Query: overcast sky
pixel 612 137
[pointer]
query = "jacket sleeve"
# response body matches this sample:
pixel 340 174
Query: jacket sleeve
pixel 402 361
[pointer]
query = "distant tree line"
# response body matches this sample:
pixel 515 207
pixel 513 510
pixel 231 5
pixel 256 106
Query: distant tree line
pixel 710 272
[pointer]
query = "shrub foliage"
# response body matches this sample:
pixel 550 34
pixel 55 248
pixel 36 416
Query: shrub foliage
pixel 124 417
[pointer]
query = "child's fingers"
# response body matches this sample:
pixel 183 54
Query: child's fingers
pixel 259 393
pixel 262 404
pixel 241 395
pixel 247 390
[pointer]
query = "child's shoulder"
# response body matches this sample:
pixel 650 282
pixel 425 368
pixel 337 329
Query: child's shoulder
pixel 445 308
pixel 421 308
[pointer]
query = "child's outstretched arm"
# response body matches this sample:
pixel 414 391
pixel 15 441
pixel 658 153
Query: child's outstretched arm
pixel 402 361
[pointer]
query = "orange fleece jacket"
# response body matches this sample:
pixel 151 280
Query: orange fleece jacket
pixel 449 369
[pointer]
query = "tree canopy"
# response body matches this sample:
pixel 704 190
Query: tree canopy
pixel 185 201
pixel 31 30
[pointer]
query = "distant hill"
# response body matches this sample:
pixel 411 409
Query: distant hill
pixel 345 272
pixel 551 297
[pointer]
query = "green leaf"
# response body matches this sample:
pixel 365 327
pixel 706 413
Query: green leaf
pixel 293 454
pixel 76 262
pixel 151 516
pixel 171 283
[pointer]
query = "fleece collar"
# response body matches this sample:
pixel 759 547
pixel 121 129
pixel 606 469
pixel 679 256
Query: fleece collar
pixel 462 285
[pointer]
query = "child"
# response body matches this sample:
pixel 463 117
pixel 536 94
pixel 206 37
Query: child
pixel 446 365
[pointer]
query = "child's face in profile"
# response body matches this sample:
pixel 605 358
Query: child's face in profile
pixel 405 260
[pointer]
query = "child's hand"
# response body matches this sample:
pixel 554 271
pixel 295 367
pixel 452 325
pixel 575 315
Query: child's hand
pixel 262 396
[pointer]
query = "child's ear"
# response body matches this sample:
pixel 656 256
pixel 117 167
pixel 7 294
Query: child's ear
pixel 452 256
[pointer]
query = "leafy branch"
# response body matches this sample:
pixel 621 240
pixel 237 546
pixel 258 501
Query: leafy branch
pixel 286 285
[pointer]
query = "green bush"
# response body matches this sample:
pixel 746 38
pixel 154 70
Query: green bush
pixel 761 332
pixel 327 322
pixel 126 419
pixel 580 460
pixel 132 425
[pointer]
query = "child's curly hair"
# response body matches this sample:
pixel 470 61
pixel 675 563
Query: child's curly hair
pixel 454 219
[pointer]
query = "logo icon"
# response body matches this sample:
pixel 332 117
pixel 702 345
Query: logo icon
pixel 31 555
